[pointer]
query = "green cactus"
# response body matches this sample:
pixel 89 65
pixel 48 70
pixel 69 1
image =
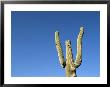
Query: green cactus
pixel 70 65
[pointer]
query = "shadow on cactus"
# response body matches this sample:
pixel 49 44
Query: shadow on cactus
pixel 69 64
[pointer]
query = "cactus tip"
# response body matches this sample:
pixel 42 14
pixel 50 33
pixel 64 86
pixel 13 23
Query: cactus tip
pixel 56 31
pixel 82 29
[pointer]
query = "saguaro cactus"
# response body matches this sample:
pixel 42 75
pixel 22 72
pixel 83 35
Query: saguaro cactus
pixel 70 65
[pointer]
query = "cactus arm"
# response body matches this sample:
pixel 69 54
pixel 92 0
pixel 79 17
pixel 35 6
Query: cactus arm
pixel 59 49
pixel 79 48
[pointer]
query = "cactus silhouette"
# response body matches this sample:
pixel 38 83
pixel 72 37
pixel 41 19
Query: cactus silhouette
pixel 70 65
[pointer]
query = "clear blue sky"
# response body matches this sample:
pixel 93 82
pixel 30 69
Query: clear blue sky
pixel 33 42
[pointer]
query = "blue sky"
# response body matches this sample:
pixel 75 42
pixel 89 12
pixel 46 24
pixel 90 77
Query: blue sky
pixel 33 51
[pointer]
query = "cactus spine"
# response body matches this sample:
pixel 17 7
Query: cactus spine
pixel 70 65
